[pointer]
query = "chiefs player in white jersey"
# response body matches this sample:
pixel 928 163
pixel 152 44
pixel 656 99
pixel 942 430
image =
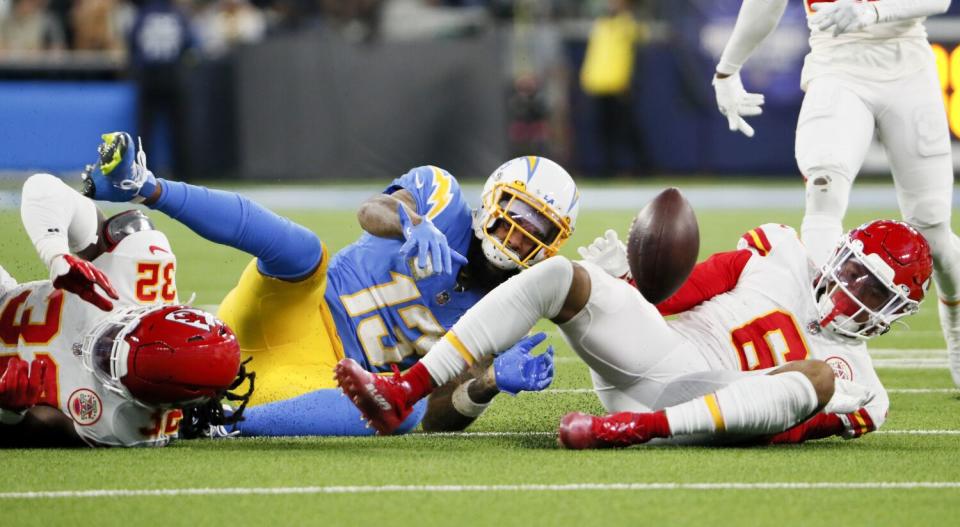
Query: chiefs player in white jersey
pixel 764 343
pixel 84 362
pixel 870 70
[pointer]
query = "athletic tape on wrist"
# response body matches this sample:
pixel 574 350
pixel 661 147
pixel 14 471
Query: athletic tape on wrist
pixel 463 404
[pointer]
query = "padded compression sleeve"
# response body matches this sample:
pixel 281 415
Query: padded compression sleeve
pixel 318 413
pixel 757 19
pixel 283 248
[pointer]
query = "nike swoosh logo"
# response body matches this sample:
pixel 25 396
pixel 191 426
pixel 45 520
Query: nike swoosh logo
pixel 153 249
pixel 417 180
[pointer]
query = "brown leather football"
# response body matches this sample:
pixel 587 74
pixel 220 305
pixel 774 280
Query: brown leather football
pixel 663 245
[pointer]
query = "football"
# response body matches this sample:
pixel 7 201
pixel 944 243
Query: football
pixel 663 245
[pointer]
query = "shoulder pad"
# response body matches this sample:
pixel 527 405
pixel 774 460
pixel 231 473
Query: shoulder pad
pixel 765 238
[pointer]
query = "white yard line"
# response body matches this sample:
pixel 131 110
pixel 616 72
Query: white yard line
pixel 890 390
pixel 526 487
pixel 543 434
pixel 919 432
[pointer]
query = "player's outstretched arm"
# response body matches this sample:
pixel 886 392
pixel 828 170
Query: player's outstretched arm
pixel 756 20
pixel 394 216
pixel 284 249
pixel 714 276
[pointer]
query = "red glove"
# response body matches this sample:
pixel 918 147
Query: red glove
pixel 80 278
pixel 21 384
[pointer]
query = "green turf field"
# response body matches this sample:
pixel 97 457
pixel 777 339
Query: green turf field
pixel 507 470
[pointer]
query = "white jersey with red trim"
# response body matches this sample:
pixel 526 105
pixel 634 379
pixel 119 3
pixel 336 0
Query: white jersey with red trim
pixel 769 319
pixel 40 321
pixel 879 52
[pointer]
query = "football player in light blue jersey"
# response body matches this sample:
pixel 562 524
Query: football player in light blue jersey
pixel 384 300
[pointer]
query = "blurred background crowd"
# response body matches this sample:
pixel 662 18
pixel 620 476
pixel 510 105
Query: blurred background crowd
pixel 307 89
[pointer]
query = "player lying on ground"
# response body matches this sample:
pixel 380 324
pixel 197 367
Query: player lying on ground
pixel 86 362
pixel 382 301
pixel 761 336
pixel 870 74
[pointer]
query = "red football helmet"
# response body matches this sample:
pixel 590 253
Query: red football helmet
pixel 878 274
pixel 163 355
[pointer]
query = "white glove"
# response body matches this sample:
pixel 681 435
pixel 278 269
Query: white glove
pixel 735 102
pixel 843 15
pixel 848 396
pixel 609 253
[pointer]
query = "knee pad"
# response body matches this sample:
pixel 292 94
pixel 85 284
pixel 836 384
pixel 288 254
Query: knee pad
pixel 827 191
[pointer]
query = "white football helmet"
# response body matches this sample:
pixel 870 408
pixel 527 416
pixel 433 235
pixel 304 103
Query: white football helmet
pixel 537 199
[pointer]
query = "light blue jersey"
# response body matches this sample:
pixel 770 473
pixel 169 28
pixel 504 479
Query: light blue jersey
pixel 386 309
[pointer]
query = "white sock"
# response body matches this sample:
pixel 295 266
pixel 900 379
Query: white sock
pixel 757 405
pixel 820 234
pixel 827 194
pixel 945 247
pixel 501 318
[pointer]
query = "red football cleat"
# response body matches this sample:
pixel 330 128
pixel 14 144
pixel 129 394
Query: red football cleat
pixel 579 431
pixel 382 400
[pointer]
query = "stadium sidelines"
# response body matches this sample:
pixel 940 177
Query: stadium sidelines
pixel 530 487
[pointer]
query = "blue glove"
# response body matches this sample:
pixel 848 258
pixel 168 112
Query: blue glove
pixel 121 173
pixel 516 370
pixel 424 238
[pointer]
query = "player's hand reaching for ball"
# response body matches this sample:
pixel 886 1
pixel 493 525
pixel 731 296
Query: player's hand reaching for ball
pixel 82 278
pixel 424 238
pixel 609 253
pixel 735 102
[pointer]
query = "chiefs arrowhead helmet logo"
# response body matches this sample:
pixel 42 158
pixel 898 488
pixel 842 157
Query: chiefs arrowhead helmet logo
pixel 193 318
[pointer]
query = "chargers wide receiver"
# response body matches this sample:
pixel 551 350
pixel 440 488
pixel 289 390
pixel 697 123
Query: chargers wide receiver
pixel 383 301
pixel 86 362
pixel 764 342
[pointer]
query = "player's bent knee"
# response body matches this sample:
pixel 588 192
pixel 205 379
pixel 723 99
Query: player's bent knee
pixel 577 296
pixel 827 191
pixel 818 372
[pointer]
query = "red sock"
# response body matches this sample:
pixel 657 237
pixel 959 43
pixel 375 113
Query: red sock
pixel 657 421
pixel 420 383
